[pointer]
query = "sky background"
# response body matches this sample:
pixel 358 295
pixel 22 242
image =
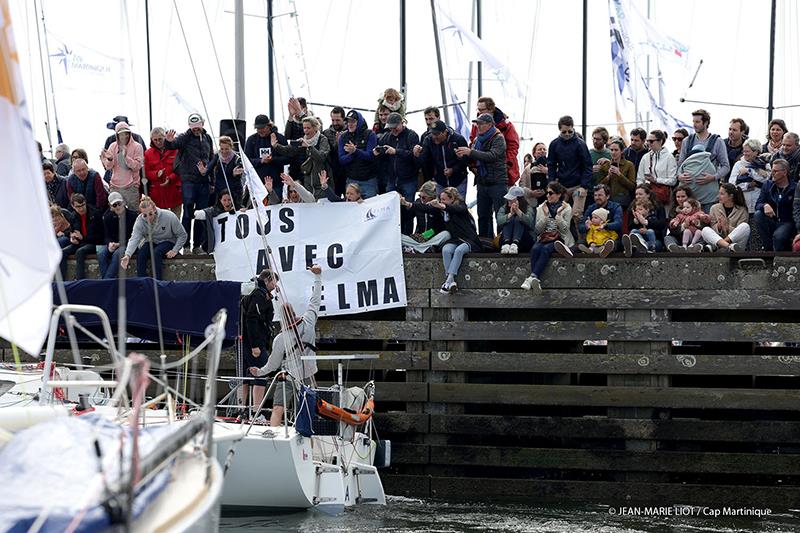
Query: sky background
pixel 347 52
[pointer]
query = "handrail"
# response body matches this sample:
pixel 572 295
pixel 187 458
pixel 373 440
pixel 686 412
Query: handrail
pixel 44 396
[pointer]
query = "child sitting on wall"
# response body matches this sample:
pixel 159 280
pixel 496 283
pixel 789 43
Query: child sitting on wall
pixel 599 240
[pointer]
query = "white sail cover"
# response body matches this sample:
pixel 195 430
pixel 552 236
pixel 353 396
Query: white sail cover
pixel 29 252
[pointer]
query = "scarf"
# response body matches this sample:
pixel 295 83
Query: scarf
pixel 228 159
pixel 52 188
pixel 313 140
pixel 480 142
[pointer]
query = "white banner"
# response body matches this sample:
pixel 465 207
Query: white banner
pixel 357 245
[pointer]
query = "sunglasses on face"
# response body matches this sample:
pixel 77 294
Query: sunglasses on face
pixel 552 192
pixel 116 204
pixel 677 138
pixel 78 205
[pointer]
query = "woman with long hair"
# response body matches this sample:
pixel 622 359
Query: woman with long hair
pixel 553 219
pixel 729 228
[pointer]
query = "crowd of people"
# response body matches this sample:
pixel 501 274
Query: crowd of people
pixel 708 194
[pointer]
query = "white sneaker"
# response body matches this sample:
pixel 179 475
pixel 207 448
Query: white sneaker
pixel 733 247
pixel 694 248
pixel 513 249
pixel 452 288
pixel 638 243
pixel 675 248
pixel 505 249
pixel 444 289
pixel 531 282
pixel 260 419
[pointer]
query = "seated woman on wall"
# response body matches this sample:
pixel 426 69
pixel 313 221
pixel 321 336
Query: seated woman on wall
pixel 515 223
pixel 225 204
pixel 750 172
pixel 680 194
pixel 352 192
pixel 463 236
pixel 553 219
pixel 729 229
pixel 646 222
pixel 430 230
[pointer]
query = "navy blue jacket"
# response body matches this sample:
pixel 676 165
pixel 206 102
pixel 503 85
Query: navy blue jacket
pixel 569 162
pixel 360 165
pixel 444 156
pixel 402 167
pixel 252 149
pixel 781 200
pixel 111 225
pixel 220 172
pixel 192 149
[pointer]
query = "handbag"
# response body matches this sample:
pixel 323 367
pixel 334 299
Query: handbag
pixel 663 192
pixel 549 236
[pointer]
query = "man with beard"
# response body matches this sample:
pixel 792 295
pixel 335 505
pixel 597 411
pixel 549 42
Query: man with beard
pixel 332 134
pixel 355 154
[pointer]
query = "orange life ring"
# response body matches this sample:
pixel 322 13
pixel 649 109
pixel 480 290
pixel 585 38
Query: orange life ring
pixel 340 414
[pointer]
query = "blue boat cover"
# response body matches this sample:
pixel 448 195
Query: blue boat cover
pixel 51 468
pixel 187 307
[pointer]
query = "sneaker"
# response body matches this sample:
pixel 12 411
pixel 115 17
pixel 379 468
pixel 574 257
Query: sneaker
pixel 638 243
pixel 531 282
pixel 674 248
pixel 607 248
pixel 452 288
pixel 585 249
pixel 627 244
pixel 505 249
pixel 408 250
pixel 709 248
pixel 260 420
pixel 187 250
pixel 513 249
pixel 444 289
pixel 198 251
pixel 562 249
pixel 694 248
pixel 733 247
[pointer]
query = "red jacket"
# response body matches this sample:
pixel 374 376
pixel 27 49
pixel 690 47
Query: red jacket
pixel 166 189
pixel 512 144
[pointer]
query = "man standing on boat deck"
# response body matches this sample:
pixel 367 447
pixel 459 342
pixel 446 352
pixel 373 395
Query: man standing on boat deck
pixel 257 315
pixel 163 228
pixel 195 150
pixel 569 163
pixel 258 149
pixel 297 337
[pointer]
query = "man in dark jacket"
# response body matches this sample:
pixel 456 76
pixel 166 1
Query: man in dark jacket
pixel 61 159
pixel 491 173
pixel 108 256
pixel 257 315
pixel 569 163
pixel 396 149
pixel 439 148
pixel 332 134
pixel 355 154
pixel 258 149
pixel 774 214
pixel 298 110
pixel 85 235
pixel 195 150
pixel 89 183
pixel 56 185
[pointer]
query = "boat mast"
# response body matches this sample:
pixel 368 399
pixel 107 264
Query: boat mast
pixel 770 101
pixel 584 86
pixel 270 64
pixel 403 88
pixel 239 55
pixel 478 28
pixel 149 78
pixel 52 87
pixel 445 107
pixel 44 80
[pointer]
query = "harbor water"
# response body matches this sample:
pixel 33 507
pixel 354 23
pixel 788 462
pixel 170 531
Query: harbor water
pixel 407 515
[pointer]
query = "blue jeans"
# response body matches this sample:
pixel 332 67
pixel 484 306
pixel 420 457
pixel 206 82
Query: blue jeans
pixel 453 254
pixel 490 199
pixel 649 238
pixel 776 236
pixel 516 231
pixel 195 197
pixel 109 262
pixel 408 189
pixel 80 251
pixel 540 256
pixel 369 188
pixel 143 257
pixel 461 187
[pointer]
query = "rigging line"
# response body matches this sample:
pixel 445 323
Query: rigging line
pixel 342 46
pixel 44 78
pixel 124 19
pixel 532 55
pixel 155 287
pixel 194 69
pixel 296 18
pixel 50 75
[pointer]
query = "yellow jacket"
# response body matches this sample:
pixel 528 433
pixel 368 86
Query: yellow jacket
pixel 599 235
